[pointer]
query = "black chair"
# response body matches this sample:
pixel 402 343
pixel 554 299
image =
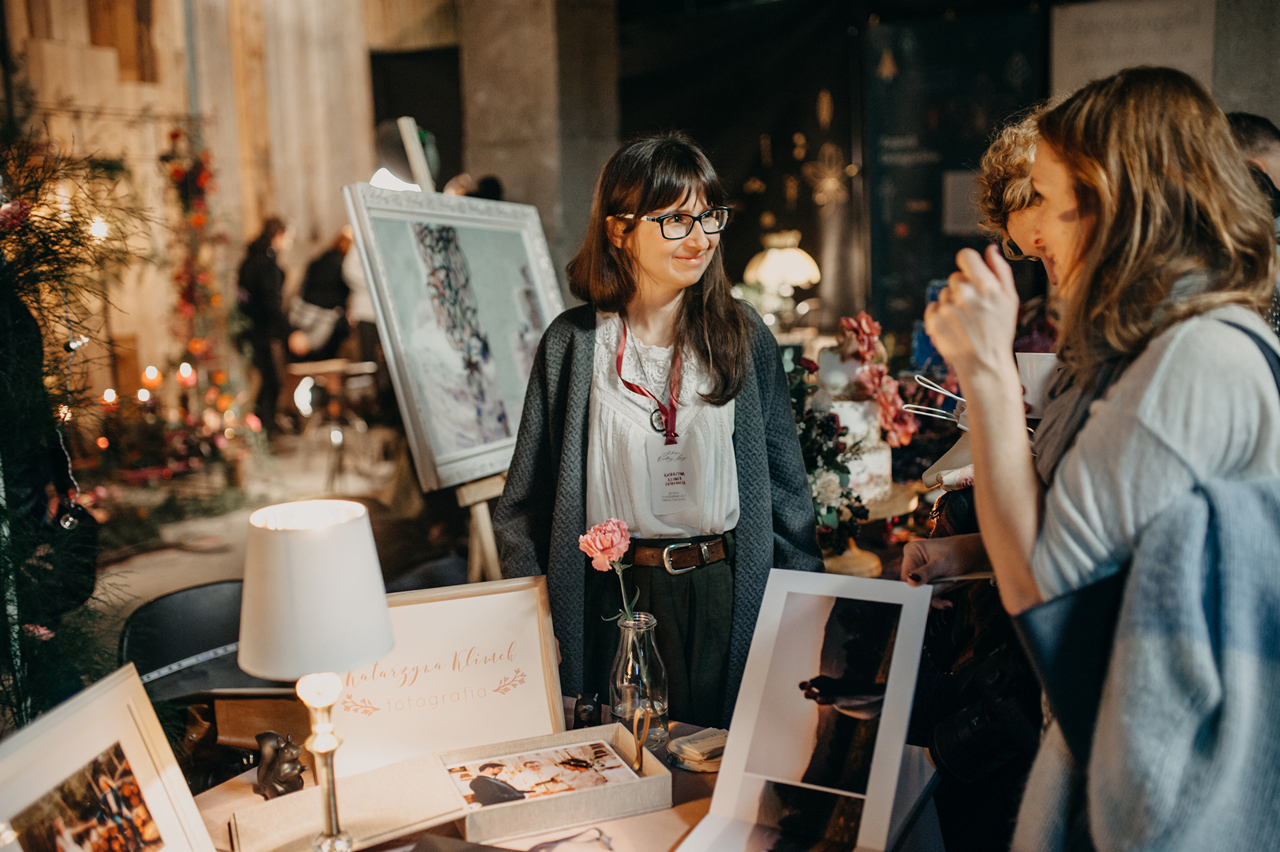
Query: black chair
pixel 184 643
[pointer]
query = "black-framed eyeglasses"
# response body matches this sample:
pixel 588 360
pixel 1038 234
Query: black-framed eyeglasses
pixel 677 226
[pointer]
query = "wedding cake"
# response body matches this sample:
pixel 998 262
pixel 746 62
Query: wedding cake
pixel 855 374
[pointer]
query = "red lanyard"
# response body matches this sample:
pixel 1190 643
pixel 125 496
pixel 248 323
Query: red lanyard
pixel 668 411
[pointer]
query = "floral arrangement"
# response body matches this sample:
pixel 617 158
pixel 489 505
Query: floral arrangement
pixel 826 456
pixel 859 340
pixel 606 543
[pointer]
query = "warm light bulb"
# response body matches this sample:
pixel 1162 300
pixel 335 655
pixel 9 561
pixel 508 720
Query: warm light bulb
pixel 320 689
pixel 151 373
pixel 98 228
pixel 143 395
pixel 109 396
pixel 184 369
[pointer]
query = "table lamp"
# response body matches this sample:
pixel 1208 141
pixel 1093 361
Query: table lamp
pixel 314 605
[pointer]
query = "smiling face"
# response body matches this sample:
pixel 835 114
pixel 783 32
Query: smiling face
pixel 1055 228
pixel 664 264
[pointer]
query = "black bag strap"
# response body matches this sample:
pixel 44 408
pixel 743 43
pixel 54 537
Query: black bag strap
pixel 1268 352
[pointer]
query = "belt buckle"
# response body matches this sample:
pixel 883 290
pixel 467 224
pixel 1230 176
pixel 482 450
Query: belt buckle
pixel 666 557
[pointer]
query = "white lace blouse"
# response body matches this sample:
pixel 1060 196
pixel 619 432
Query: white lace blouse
pixel 617 467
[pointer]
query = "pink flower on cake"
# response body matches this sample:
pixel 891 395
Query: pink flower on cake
pixel 869 381
pixel 898 424
pixel 606 542
pixel 859 339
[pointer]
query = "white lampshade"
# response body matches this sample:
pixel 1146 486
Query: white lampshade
pixel 313 596
pixel 781 263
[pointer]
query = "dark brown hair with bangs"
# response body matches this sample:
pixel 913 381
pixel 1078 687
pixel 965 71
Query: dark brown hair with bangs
pixel 642 177
pixel 1154 161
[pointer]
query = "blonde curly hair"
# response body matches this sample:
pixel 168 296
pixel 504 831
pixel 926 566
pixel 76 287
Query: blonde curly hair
pixel 1004 178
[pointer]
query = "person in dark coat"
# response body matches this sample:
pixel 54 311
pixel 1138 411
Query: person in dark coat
pixel 489 789
pixel 260 287
pixel 322 313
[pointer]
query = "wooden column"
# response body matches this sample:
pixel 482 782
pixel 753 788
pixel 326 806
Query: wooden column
pixel 248 44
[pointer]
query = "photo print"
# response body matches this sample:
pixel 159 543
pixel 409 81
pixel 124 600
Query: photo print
pixel 817 756
pixel 800 819
pixel 538 774
pixel 822 727
pixel 98 808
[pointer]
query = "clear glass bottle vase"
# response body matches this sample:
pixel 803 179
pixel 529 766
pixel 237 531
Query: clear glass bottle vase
pixel 638 680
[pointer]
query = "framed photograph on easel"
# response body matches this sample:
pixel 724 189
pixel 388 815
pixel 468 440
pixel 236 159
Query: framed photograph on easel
pixel 97 774
pixel 463 289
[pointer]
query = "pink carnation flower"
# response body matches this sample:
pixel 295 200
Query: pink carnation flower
pixel 605 542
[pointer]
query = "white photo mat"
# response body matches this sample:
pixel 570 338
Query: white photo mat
pixel 43 757
pixel 774 743
pixel 462 289
pixel 472 665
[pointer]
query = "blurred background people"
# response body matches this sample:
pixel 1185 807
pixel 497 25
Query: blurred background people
pixel 320 313
pixel 260 285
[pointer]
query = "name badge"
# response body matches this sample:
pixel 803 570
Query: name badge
pixel 671 470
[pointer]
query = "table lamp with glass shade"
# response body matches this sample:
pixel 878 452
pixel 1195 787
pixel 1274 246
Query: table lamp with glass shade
pixel 314 605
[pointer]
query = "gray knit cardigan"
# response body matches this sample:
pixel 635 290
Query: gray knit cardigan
pixel 543 507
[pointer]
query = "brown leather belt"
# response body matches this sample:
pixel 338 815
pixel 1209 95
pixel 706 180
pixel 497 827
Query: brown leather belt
pixel 677 558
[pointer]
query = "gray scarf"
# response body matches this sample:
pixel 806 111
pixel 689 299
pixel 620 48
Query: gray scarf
pixel 1067 406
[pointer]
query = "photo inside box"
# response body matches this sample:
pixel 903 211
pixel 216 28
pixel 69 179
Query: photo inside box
pixel 824 692
pixel 98 808
pixel 538 774
pixel 798 819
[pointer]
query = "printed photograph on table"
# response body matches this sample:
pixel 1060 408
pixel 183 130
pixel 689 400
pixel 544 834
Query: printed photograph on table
pixel 539 774
pixel 99 808
pixel 96 774
pixel 817 755
pixel 823 727
pixel 463 289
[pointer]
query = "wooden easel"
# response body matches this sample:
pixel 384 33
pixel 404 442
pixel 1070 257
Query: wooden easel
pixel 482 552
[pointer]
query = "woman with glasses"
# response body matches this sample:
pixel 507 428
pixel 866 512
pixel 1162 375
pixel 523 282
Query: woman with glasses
pixel 662 402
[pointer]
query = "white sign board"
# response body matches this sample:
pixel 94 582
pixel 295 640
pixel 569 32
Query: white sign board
pixel 472 665
pixel 1095 40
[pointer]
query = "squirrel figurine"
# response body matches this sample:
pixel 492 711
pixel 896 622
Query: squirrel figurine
pixel 279 771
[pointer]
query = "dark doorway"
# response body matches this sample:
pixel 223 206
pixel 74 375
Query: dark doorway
pixel 426 84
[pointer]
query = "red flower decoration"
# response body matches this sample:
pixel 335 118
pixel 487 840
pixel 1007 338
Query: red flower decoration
pixel 13 213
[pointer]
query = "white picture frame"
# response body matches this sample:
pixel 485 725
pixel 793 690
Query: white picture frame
pixel 472 664
pixel 462 289
pixel 51 769
pixel 778 760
